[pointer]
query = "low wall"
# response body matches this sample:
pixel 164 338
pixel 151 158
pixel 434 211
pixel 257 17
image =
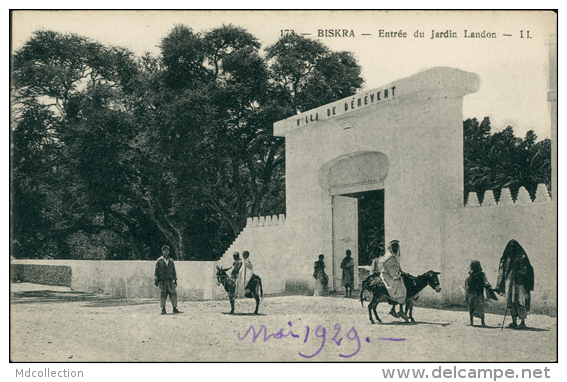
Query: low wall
pixel 134 279
pixel 58 275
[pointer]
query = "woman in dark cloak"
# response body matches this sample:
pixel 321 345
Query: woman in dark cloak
pixel 516 281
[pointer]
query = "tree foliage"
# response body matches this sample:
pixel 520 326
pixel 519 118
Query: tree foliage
pixel 493 161
pixel 113 155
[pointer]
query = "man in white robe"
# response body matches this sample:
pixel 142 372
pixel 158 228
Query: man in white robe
pixel 244 275
pixel 391 274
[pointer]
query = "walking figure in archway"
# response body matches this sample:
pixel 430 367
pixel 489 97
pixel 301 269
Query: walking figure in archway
pixel 391 274
pixel 347 265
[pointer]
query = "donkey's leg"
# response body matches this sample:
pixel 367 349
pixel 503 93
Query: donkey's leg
pixel 257 298
pixel 401 313
pixel 231 305
pixel 375 312
pixel 409 308
pixel 372 303
pixel 393 310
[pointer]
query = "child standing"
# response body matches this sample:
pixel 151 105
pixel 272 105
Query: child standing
pixel 475 286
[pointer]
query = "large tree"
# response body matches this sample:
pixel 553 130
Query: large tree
pixel 216 124
pixel 127 153
pixel 68 131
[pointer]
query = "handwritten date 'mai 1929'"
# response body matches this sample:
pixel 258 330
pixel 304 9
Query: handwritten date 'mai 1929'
pixel 320 332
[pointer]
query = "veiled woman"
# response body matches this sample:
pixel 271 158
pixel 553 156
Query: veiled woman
pixel 516 281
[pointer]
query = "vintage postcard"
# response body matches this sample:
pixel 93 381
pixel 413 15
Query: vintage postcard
pixel 284 186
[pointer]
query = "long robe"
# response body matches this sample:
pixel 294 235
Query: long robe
pixel 348 272
pixel 475 286
pixel 516 279
pixel 321 279
pixel 391 274
pixel 244 276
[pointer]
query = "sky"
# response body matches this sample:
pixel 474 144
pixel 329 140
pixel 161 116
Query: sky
pixel 514 71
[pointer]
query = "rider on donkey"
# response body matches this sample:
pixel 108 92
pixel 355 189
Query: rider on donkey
pixel 244 276
pixel 236 266
pixel 391 275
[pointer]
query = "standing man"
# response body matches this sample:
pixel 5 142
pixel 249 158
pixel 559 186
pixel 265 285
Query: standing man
pixel 166 279
pixel 347 266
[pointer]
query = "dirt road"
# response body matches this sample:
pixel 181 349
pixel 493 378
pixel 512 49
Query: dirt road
pixel 56 324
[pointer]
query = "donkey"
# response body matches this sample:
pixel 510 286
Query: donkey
pixel 413 284
pixel 254 286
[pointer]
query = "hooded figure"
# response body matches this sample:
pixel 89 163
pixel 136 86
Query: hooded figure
pixel 391 272
pixel 516 281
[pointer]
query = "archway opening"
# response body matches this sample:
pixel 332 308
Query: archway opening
pixel 371 231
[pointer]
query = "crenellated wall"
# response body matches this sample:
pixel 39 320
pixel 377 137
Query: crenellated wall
pixel 542 196
pixel 482 234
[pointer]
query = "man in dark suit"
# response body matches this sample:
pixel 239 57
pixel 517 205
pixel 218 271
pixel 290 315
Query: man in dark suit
pixel 166 279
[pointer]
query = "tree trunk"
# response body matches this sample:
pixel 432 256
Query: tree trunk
pixel 172 233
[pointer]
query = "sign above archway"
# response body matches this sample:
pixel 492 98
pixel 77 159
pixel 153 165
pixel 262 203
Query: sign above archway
pixel 446 82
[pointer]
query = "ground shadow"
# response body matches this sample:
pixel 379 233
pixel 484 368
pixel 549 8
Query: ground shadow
pixel 90 299
pixel 103 303
pixel 408 323
pixel 49 296
pixel 244 314
pixel 527 329
pixel 484 327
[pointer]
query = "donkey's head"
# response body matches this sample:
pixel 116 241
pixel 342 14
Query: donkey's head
pixel 221 274
pixel 433 280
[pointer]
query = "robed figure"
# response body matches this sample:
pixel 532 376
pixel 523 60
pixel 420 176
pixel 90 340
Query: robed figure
pixel 391 272
pixel 516 281
pixel 245 274
pixel 321 278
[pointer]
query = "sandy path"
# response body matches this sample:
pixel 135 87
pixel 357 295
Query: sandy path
pixel 60 325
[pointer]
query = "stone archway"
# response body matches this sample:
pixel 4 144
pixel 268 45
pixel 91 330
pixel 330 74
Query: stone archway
pixel 355 172
pixel 349 174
